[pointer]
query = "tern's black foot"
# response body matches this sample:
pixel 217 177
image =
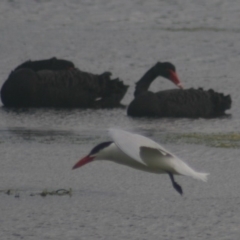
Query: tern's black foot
pixel 177 187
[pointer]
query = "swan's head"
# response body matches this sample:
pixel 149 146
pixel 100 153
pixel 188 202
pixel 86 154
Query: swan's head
pixel 168 70
pixel 99 152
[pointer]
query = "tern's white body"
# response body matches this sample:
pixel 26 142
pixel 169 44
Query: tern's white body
pixel 141 153
pixel 114 154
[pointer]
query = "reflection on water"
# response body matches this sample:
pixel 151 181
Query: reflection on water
pixel 76 126
pixel 44 136
pixel 16 135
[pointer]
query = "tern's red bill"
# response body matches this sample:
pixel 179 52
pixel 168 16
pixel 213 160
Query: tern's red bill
pixel 83 161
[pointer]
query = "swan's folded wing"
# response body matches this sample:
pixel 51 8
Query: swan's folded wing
pixel 137 147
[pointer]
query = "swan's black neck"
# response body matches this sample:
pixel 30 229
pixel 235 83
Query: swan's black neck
pixel 144 83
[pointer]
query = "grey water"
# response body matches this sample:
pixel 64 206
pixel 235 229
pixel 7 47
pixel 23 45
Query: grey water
pixel 39 146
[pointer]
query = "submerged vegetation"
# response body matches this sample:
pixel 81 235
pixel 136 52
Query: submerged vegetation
pixel 44 193
pixel 220 140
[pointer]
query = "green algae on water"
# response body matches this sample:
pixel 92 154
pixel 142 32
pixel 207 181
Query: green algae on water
pixel 220 140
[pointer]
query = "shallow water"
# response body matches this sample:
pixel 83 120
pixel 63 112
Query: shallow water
pixel 39 146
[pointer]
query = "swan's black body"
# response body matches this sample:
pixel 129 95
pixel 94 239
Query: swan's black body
pixel 53 64
pixel 57 83
pixel 188 103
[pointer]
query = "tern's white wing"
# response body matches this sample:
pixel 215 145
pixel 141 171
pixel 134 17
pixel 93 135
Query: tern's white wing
pixel 132 144
pixel 152 154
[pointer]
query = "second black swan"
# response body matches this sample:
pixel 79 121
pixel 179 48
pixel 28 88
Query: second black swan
pixel 186 103
pixel 57 83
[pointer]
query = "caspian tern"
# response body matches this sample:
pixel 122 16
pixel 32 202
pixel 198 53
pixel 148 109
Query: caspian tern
pixel 141 153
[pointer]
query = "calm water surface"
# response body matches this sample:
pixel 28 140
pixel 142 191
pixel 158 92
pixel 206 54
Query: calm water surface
pixel 39 146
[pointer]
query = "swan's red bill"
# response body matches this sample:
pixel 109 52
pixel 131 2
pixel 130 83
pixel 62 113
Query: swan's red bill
pixel 175 79
pixel 83 161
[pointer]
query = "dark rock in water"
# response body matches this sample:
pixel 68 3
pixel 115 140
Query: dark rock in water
pixel 57 83
pixel 186 103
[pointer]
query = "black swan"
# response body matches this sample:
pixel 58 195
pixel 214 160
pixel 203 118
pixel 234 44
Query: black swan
pixel 187 103
pixel 57 83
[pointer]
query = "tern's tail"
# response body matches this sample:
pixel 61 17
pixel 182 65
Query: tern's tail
pixel 200 176
pixel 184 169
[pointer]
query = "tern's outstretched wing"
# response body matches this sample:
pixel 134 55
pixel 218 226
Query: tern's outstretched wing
pixel 152 154
pixel 134 145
